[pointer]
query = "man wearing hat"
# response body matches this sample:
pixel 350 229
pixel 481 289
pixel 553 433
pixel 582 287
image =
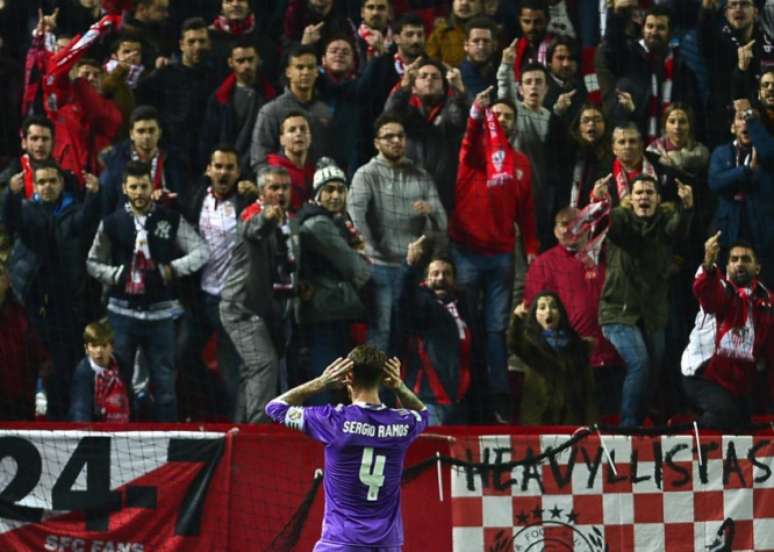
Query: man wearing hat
pixel 334 270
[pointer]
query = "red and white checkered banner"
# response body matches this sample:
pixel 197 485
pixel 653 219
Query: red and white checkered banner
pixel 657 493
pixel 133 491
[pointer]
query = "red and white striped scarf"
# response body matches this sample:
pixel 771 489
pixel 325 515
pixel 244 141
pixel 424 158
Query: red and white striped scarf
pixel 234 27
pixel 523 47
pixel 660 96
pixel 623 177
pixel 365 32
pixel 111 403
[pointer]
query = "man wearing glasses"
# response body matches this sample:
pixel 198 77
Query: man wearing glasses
pixel 392 202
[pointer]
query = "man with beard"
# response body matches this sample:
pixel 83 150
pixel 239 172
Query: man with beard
pixel 180 90
pixel 634 307
pixel 146 19
pixel 436 319
pixel 233 108
pixel 212 207
pixel 383 72
pixel 446 43
pixel 742 179
pixel 392 201
pixel 479 68
pixel 745 86
pixel 47 268
pixel 728 38
pixel 431 101
pixel 300 95
pixel 648 69
pixel 257 298
pixel 723 386
pixel 136 254
pixel 374 33
pixel 566 91
pixel 532 45
pixel 237 23
pixel 168 172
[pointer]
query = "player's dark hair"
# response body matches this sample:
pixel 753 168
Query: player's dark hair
pixel 646 178
pixel 136 169
pixel 408 20
pixel 45 164
pixel 507 102
pixel 534 5
pixel 660 11
pixel 481 22
pixel 386 118
pixel 125 36
pixel 244 43
pixel 567 42
pixel 368 366
pixel 290 114
pixel 300 50
pixel 193 24
pixel 535 66
pixel 743 244
pixel 37 120
pixel 144 113
pixel 225 147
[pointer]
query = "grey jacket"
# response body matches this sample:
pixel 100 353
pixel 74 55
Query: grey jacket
pixel 267 127
pixel 381 204
pixel 333 269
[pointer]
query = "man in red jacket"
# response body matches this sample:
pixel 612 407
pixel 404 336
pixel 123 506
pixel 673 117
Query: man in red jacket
pixel 743 340
pixel 493 194
pixel 566 270
pixel 85 122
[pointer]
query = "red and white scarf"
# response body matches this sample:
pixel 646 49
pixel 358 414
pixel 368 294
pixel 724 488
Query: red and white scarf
pixel 660 96
pixel 369 36
pixel 141 257
pixel 500 165
pixel 111 403
pixel 623 177
pixel 589 72
pixel 523 48
pixel 156 168
pixel 593 220
pixel 234 27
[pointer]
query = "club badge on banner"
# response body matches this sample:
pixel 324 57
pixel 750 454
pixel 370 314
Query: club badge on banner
pixel 134 491
pixel 646 494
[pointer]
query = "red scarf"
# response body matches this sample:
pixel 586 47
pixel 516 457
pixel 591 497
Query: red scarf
pixel 430 113
pixel 500 164
pixel 522 49
pixel 233 26
pixel 660 97
pixel 156 168
pixel 592 220
pixel 623 177
pixel 365 32
pixel 26 165
pixel 589 73
pixel 111 403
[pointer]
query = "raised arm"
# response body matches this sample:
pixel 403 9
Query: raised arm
pixel 335 374
pixel 392 381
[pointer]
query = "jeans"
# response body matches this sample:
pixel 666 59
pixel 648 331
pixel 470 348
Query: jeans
pixel 205 321
pixel 328 341
pixel 383 329
pixel 157 340
pixel 491 275
pixel 638 357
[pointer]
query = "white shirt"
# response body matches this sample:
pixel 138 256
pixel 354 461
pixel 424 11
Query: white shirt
pixel 217 225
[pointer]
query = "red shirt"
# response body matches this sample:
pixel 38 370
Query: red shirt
pixel 300 179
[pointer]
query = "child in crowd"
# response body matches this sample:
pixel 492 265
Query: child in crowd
pixel 98 393
pixel 558 382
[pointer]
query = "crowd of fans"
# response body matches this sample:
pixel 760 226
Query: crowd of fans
pixel 527 201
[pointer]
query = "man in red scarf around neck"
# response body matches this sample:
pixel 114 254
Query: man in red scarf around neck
pixel 493 195
pixel 745 332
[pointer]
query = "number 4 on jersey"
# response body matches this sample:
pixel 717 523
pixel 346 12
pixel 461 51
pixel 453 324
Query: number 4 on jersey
pixel 372 473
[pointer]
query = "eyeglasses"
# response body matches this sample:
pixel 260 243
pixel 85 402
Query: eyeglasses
pixel 392 136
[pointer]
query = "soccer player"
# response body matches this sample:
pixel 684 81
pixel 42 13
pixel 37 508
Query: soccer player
pixel 365 443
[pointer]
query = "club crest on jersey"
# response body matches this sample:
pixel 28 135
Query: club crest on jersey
pixel 497 159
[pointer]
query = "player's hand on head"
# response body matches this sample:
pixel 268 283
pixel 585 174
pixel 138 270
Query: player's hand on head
pixel 336 373
pixel 391 378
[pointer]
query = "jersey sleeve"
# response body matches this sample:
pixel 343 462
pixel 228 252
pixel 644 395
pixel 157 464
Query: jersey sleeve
pixel 319 422
pixel 419 422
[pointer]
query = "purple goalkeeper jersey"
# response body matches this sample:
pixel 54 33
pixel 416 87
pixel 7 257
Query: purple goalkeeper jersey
pixel 364 450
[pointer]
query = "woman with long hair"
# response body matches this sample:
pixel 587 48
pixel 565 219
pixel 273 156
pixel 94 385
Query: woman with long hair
pixel 558 381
